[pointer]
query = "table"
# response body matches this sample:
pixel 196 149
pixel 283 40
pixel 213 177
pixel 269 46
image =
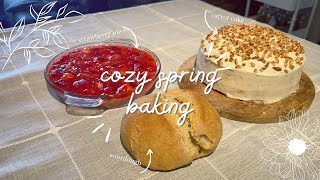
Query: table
pixel 39 140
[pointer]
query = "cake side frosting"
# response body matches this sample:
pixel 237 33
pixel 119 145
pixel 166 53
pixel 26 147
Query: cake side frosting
pixel 262 70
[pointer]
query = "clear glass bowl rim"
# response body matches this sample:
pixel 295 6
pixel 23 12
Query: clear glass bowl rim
pixel 113 41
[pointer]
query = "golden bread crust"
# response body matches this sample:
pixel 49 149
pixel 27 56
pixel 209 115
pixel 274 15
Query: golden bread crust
pixel 173 146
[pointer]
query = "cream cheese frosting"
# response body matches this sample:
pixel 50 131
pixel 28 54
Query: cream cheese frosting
pixel 265 65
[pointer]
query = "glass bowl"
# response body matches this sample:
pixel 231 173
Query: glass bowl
pixel 102 100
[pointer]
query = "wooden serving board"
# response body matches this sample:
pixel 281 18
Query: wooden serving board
pixel 250 111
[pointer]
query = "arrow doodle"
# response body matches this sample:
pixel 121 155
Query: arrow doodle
pixel 150 154
pixel 215 31
pixel 136 44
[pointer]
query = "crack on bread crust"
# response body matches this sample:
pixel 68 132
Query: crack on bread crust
pixel 196 140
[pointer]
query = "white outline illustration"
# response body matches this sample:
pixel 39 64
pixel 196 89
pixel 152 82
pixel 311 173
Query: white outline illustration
pixel 293 147
pixel 99 127
pixel 215 31
pixel 136 44
pixel 41 19
pixel 150 157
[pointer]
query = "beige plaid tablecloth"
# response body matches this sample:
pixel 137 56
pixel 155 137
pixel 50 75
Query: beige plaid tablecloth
pixel 40 140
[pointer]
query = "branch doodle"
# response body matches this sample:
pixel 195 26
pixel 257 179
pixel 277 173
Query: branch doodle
pixel 41 19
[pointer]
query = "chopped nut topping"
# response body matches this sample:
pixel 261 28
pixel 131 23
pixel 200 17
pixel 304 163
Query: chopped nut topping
pixel 277 68
pixel 257 43
pixel 246 58
pixel 291 66
pixel 264 67
pixel 208 35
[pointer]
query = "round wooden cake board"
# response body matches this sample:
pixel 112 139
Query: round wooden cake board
pixel 251 111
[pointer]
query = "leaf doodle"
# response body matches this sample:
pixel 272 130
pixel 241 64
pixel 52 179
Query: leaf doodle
pixel 27 55
pixel 59 40
pixel 42 53
pixel 47 8
pixel 46 36
pixel 75 12
pixel 34 43
pixel 2 34
pixel 43 19
pixel 33 12
pixel 55 29
pixel 17 30
pixel 62 10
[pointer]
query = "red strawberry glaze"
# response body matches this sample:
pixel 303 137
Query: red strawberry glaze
pixel 79 70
